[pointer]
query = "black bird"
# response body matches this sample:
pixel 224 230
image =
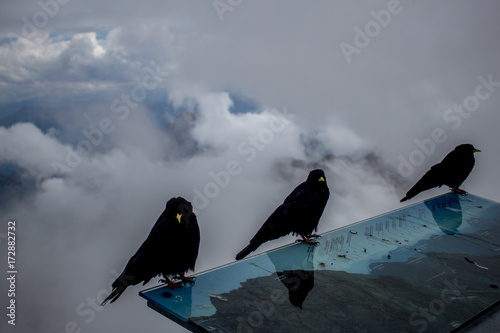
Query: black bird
pixel 170 249
pixel 451 171
pixel 298 214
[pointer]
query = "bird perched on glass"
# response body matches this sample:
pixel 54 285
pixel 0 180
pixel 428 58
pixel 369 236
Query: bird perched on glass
pixel 299 214
pixel 170 249
pixel 451 171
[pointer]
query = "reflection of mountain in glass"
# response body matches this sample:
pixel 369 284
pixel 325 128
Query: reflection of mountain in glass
pixel 297 275
pixel 447 212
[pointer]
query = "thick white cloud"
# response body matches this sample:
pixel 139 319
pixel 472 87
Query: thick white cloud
pixel 108 201
pixel 75 64
pixel 87 220
pixel 25 145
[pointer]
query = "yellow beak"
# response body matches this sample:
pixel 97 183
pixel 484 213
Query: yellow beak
pixel 321 179
pixel 178 217
pixel 476 150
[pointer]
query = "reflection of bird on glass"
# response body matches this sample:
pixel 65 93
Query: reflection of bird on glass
pixel 447 212
pixel 451 171
pixel 299 283
pixel 295 269
pixel 298 214
pixel 170 249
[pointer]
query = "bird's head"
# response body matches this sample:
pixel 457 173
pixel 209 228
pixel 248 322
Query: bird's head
pixel 467 147
pixel 179 210
pixel 317 177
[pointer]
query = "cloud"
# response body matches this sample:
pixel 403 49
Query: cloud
pixel 25 145
pixel 87 69
pixel 118 193
pixel 77 65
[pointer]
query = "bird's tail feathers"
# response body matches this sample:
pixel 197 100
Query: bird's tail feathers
pixel 114 294
pixel 405 198
pixel 425 183
pixel 247 250
pixel 411 193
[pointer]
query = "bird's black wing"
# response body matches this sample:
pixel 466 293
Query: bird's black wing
pixel 432 178
pixel 297 194
pixel 143 265
pixel 457 166
pixel 278 223
pixel 138 269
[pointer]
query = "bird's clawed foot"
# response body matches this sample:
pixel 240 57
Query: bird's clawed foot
pixel 171 284
pixel 459 191
pixel 314 236
pixel 307 240
pixel 185 279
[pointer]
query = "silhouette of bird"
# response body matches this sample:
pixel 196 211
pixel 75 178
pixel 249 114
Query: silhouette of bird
pixel 170 249
pixel 451 171
pixel 298 214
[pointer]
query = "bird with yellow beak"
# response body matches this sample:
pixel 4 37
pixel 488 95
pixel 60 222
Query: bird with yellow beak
pixel 299 214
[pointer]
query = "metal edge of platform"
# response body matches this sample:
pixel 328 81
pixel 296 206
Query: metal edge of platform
pixel 480 321
pixel 189 325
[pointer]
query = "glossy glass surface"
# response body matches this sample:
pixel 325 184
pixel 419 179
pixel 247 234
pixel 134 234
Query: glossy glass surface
pixel 428 267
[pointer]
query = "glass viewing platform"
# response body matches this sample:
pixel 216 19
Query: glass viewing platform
pixel 430 267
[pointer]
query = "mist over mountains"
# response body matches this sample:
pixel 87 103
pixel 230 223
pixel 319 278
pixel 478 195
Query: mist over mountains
pixel 109 109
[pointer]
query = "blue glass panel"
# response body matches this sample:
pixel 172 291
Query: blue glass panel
pixel 429 267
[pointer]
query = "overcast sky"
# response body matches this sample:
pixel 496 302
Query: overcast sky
pixel 229 104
